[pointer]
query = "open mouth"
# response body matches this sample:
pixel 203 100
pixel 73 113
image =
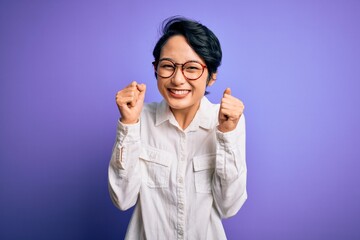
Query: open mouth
pixel 179 93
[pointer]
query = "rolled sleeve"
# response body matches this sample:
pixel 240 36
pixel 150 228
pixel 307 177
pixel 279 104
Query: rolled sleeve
pixel 231 152
pixel 124 174
pixel 127 137
pixel 128 133
pixel 229 188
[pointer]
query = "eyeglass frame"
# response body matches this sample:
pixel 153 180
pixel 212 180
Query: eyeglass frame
pixel 155 64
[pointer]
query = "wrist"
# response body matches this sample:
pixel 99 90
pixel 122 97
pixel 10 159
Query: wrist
pixel 128 121
pixel 224 129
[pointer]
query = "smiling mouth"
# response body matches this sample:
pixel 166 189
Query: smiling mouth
pixel 180 92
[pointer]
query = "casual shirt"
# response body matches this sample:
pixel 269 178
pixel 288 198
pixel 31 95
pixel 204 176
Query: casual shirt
pixel 183 182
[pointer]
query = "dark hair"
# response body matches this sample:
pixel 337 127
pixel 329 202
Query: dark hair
pixel 201 39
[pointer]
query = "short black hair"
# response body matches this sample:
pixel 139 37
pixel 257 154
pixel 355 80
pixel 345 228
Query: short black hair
pixel 201 39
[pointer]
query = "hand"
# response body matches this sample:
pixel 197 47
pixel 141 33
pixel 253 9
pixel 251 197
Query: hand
pixel 230 112
pixel 130 101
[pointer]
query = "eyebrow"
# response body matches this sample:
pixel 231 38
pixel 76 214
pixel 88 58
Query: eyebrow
pixel 172 60
pixel 166 59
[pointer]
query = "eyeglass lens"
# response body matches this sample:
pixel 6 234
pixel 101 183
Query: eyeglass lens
pixel 191 70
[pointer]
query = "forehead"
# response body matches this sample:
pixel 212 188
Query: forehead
pixel 177 49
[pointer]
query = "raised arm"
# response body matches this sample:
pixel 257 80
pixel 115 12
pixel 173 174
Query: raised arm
pixel 229 182
pixel 124 172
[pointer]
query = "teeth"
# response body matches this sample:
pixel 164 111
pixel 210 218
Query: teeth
pixel 180 92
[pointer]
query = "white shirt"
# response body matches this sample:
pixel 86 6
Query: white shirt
pixel 183 182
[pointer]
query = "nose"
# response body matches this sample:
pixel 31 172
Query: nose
pixel 178 77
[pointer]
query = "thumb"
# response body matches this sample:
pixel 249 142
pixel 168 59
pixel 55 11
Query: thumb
pixel 227 91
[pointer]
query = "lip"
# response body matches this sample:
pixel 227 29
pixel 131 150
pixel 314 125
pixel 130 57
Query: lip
pixel 178 93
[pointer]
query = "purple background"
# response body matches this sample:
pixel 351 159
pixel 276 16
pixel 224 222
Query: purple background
pixel 295 64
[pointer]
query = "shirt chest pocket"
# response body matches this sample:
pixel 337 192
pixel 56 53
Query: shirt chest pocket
pixel 204 166
pixel 156 167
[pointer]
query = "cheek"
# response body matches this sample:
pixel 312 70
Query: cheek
pixel 161 86
pixel 200 86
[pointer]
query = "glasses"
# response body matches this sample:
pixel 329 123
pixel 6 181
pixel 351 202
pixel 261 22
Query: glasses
pixel 192 70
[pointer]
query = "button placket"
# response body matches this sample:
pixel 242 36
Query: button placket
pixel 181 187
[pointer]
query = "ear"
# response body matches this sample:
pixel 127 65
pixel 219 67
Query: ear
pixel 212 79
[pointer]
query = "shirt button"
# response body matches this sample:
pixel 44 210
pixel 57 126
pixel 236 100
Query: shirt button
pixel 181 232
pixel 181 206
pixel 180 180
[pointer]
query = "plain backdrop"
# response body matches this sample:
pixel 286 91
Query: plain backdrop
pixel 295 65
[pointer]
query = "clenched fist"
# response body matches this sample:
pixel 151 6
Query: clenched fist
pixel 130 101
pixel 230 112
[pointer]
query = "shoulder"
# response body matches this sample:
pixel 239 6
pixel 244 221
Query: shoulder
pixel 150 107
pixel 150 110
pixel 208 106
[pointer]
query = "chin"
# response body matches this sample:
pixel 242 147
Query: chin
pixel 178 104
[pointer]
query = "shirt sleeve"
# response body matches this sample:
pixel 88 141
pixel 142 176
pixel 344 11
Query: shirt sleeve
pixel 124 170
pixel 229 181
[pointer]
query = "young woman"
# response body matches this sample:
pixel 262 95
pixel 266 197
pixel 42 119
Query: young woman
pixel 180 161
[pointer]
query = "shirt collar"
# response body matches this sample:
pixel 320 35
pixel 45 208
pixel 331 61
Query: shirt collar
pixel 163 113
pixel 203 117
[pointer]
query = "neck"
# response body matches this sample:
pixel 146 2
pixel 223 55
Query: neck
pixel 185 116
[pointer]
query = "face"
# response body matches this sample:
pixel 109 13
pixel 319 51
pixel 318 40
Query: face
pixel 182 94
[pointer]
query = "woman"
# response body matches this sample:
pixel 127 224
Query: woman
pixel 181 161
